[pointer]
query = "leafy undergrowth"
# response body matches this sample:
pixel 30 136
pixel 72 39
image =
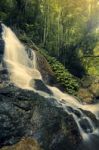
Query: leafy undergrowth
pixel 63 76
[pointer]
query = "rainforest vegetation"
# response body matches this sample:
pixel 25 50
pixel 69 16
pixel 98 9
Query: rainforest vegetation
pixel 67 30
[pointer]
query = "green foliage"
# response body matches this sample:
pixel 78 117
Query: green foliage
pixel 3 16
pixel 63 76
pixel 60 26
pixel 92 65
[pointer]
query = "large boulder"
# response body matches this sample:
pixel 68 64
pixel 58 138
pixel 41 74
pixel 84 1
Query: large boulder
pixel 89 91
pixel 24 113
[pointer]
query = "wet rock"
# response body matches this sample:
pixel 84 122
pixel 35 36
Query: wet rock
pixel 92 117
pixel 78 113
pixel 24 113
pixel 39 85
pixel 86 126
pixel 1 47
pixel 4 75
pixel 45 69
pixel 1 44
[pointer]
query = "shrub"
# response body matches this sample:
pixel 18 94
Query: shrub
pixel 63 76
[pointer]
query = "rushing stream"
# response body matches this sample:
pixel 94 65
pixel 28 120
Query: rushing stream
pixel 23 70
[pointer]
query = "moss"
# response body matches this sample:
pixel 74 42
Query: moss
pixel 85 96
pixel 24 144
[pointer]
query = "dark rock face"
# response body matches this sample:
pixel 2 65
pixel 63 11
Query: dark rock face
pixel 3 70
pixel 39 85
pixel 85 125
pixel 4 78
pixel 1 48
pixel 45 69
pixel 0 26
pixel 1 44
pixel 24 113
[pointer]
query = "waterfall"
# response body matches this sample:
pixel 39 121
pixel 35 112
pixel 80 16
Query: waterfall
pixel 23 70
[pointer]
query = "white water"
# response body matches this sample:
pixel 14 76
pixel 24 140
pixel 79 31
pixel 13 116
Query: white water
pixel 94 108
pixel 22 70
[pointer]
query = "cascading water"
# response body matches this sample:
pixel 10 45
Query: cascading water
pixel 23 70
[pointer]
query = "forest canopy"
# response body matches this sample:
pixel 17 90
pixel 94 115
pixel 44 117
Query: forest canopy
pixel 67 29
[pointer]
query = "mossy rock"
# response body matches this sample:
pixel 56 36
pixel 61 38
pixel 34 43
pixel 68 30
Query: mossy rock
pixel 94 88
pixel 89 90
pixel 24 144
pixel 85 95
pixel 87 81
